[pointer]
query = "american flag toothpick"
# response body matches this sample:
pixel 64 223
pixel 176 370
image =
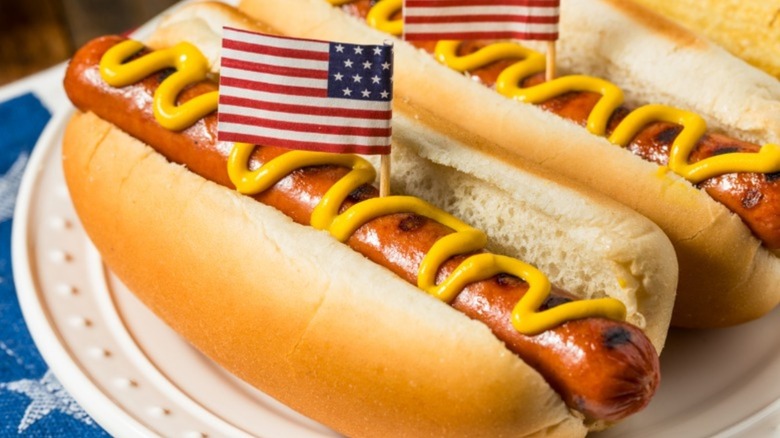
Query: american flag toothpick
pixel 307 94
pixel 484 19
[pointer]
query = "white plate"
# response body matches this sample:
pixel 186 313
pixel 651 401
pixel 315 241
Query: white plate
pixel 132 373
pixel 138 378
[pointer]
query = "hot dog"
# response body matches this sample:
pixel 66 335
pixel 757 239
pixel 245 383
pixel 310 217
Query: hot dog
pixel 136 206
pixel 726 247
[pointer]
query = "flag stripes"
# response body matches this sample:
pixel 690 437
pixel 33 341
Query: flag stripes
pixel 481 19
pixel 305 94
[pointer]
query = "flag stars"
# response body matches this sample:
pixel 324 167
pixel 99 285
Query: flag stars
pixel 360 72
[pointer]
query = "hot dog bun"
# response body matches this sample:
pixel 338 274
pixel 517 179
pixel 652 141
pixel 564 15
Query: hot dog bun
pixel 224 281
pixel 726 275
pixel 268 319
pixel 749 29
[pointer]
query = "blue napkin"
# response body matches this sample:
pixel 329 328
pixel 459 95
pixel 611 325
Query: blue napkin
pixel 32 401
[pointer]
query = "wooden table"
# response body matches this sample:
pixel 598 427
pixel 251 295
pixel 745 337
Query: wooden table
pixel 36 34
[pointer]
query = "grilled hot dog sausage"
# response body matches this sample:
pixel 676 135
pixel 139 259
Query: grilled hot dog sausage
pixel 602 368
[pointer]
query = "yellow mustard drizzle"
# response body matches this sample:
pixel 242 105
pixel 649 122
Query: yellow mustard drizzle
pixel 325 216
pixel 191 66
pixel 380 17
pixel 464 240
pixel 530 62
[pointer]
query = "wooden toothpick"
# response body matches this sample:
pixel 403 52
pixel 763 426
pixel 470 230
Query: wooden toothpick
pixel 384 175
pixel 550 72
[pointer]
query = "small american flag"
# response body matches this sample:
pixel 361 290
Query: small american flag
pixel 481 19
pixel 305 94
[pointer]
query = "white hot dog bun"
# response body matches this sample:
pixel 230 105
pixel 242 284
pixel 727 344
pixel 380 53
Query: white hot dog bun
pixel 303 317
pixel 322 329
pixel 726 275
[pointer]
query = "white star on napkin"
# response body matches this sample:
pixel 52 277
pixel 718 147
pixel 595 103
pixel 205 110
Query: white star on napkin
pixel 9 185
pixel 46 396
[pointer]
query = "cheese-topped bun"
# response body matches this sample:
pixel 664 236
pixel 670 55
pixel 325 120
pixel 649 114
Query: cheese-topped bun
pixel 749 29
